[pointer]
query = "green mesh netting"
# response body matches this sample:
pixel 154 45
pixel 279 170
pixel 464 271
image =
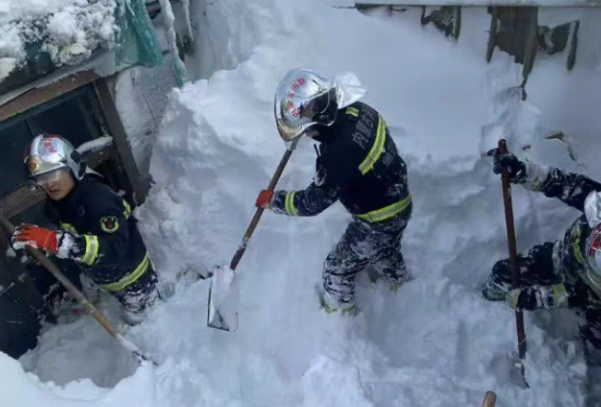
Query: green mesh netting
pixel 138 43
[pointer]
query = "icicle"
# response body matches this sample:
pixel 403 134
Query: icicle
pixel 186 6
pixel 178 64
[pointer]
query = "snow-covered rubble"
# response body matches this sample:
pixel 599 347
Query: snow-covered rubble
pixel 67 30
pixel 436 342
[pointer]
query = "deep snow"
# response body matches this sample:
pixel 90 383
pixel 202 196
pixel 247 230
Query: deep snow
pixel 436 342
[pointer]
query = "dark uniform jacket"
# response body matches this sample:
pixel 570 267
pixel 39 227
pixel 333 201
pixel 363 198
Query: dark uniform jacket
pixel 358 164
pixel 108 246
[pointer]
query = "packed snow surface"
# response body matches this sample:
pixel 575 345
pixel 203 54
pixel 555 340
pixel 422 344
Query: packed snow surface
pixel 67 30
pixel 434 343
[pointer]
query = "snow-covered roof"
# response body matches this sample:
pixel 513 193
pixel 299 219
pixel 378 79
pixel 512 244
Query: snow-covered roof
pixel 66 31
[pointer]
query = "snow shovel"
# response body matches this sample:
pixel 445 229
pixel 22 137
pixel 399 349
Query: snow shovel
pixel 78 295
pixel 222 312
pixel 515 277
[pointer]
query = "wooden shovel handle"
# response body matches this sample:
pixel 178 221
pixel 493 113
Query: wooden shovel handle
pixel 490 399
pixel 511 242
pixel 78 295
pixel 259 212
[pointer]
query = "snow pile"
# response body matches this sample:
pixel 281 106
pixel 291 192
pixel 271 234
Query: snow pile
pixel 436 342
pixel 68 30
pixel 18 9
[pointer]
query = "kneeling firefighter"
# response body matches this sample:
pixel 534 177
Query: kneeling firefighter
pixel 358 164
pixel 564 273
pixel 96 227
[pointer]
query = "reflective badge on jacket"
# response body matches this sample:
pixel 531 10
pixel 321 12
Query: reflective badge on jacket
pixel 109 224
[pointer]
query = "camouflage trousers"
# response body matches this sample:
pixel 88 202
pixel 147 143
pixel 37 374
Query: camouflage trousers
pixel 542 265
pixel 139 296
pixel 364 243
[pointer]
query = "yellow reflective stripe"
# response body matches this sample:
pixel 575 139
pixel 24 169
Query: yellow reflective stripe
pixel 290 208
pixel 576 245
pixel 129 278
pixel 91 253
pixel 560 294
pixel 376 150
pixel 353 111
pixel 386 212
pixel 127 211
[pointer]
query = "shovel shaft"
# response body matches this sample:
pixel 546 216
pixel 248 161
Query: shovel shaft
pixel 511 241
pixel 490 399
pixel 76 293
pixel 255 220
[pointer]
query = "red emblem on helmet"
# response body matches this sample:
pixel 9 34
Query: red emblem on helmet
pixel 49 144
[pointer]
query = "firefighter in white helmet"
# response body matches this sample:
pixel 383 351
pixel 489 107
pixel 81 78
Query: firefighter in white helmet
pixel 358 164
pixel 96 227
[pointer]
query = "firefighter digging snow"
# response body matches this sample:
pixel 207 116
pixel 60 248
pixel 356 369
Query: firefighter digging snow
pixel 96 227
pixel 565 273
pixel 357 164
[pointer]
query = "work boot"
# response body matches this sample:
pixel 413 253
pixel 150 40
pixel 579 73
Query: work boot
pixel 331 305
pixel 396 282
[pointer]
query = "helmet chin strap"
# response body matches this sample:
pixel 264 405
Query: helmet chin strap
pixel 328 116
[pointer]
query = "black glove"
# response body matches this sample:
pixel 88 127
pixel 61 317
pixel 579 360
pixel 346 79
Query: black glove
pixel 515 168
pixel 524 299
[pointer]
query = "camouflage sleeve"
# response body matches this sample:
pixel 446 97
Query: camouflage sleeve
pixel 564 295
pixel 308 202
pixel 570 188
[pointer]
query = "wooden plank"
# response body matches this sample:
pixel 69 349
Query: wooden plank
pixel 112 119
pixel 24 197
pixel 37 96
pixel 28 195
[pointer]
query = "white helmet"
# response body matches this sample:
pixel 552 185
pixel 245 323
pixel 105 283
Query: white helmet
pixel 303 99
pixel 49 153
pixel 592 212
pixel 592 208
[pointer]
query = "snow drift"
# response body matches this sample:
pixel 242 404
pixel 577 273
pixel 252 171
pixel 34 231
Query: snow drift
pixel 436 342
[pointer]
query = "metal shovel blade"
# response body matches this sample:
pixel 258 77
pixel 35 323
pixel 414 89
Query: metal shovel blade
pixel 518 373
pixel 223 300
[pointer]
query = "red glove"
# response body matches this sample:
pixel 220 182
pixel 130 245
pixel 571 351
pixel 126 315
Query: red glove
pixel 32 235
pixel 264 199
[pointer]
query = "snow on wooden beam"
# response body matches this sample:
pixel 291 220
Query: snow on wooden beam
pixel 37 96
pixel 113 121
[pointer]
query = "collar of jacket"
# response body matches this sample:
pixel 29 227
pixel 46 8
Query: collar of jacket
pixel 71 196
